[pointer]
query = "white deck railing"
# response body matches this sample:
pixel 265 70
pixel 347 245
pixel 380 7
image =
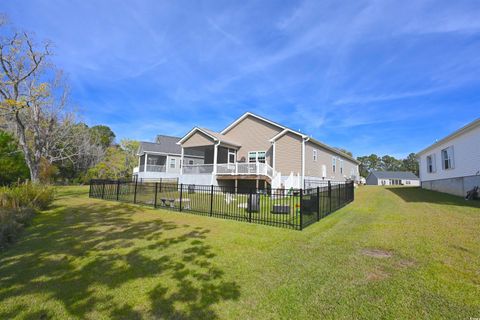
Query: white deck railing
pixel 150 168
pixel 231 169
pixel 198 169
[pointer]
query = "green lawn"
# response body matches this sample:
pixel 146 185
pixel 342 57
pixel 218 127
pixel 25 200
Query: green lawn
pixel 393 253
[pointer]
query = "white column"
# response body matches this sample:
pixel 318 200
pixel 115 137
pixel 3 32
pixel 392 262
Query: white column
pixel 181 163
pixel 215 154
pixel 303 164
pixel 145 169
pixel 273 158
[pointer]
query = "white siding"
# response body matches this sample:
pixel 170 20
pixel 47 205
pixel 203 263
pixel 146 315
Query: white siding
pixel 466 154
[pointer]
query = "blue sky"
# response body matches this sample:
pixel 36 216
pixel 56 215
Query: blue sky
pixel 385 77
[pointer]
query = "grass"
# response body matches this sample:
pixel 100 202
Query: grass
pixel 393 253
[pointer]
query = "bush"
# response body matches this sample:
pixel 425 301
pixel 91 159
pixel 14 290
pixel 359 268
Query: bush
pixel 17 207
pixel 12 222
pixel 28 195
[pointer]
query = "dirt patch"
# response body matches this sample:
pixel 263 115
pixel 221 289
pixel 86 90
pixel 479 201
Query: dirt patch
pixel 377 275
pixel 377 253
pixel 404 263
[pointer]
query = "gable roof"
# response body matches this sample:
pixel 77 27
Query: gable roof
pixel 316 142
pixel 404 175
pixel 215 136
pixel 246 114
pixel 459 132
pixel 286 130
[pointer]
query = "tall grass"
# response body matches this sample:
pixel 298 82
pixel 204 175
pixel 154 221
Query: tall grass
pixel 28 195
pixel 17 207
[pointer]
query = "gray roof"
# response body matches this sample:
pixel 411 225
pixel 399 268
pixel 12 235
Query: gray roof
pixel 404 175
pixel 165 144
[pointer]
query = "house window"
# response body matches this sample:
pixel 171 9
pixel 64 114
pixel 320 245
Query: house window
pixel 256 156
pixel 315 155
pixel 231 156
pixel 190 162
pixel 431 163
pixel 173 163
pixel 341 166
pixel 334 164
pixel 261 156
pixel 447 158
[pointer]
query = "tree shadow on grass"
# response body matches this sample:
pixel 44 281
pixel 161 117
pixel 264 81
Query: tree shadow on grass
pixel 410 194
pixel 82 256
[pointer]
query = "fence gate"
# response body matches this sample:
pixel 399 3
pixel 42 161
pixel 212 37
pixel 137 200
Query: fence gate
pixel 309 206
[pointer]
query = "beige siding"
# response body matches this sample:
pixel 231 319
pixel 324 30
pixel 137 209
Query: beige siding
pixel 197 139
pixel 254 135
pixel 325 157
pixel 288 154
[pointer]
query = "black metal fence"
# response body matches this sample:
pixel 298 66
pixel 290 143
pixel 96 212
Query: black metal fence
pixel 294 209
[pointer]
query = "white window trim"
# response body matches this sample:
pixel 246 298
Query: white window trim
pixel 174 162
pixel 334 164
pixel 256 156
pixel 232 152
pixel 450 158
pixel 315 155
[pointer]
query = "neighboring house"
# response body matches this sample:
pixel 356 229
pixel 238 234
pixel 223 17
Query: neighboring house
pixel 256 152
pixel 392 178
pixel 452 165
pixel 162 158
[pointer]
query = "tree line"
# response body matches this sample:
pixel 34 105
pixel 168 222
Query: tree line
pixel 41 137
pixel 387 163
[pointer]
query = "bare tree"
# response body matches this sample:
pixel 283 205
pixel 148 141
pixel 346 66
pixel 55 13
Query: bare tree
pixel 33 104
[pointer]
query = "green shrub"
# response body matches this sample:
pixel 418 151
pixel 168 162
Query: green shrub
pixel 17 207
pixel 28 195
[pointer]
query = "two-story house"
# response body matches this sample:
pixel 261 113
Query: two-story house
pixel 452 164
pixel 256 152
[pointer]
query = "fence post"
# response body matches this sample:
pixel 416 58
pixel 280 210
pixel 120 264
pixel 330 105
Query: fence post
pixel 211 200
pixel 135 192
pixel 339 196
pixel 249 206
pixel 160 185
pixel 353 192
pixel 156 192
pixel 103 190
pixel 181 194
pixel 118 188
pixel 330 196
pixel 301 209
pixel 318 203
pixel 90 189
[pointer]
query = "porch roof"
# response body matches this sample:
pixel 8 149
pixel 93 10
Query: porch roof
pixel 212 135
pixel 166 147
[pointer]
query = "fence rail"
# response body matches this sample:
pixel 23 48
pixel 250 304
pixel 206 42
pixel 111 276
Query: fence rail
pixel 294 209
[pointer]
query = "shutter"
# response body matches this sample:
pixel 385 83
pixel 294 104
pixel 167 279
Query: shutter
pixel 434 163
